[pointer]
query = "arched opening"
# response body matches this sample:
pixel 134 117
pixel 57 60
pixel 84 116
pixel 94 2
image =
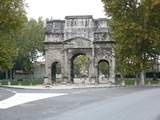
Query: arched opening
pixel 56 72
pixel 79 68
pixel 103 70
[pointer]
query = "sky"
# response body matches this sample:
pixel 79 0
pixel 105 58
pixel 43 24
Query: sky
pixel 58 9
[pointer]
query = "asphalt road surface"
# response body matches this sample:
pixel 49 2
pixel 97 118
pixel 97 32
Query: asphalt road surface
pixel 140 103
pixel 6 93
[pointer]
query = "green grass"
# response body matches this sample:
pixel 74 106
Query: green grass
pixel 129 82
pixel 23 82
pixel 4 82
pixel 132 82
pixel 155 82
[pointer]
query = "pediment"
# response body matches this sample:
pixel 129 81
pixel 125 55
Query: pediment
pixel 78 42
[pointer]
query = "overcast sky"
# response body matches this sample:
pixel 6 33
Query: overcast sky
pixel 58 9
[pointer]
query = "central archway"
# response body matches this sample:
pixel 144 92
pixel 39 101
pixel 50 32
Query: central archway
pixel 79 68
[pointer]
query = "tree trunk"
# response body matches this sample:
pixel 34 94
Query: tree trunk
pixel 6 75
pixel 136 80
pixel 11 74
pixel 142 78
pixel 122 80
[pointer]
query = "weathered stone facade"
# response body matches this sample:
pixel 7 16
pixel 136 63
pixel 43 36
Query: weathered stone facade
pixel 78 35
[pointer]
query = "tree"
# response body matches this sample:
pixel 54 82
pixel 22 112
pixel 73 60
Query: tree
pixel 104 68
pixel 136 31
pixel 12 17
pixel 29 42
pixel 81 65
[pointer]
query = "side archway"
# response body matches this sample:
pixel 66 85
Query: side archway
pixel 103 70
pixel 56 72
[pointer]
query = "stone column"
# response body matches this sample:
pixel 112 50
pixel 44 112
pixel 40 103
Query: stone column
pixel 47 77
pixel 92 68
pixel 64 67
pixel 69 70
pixel 112 69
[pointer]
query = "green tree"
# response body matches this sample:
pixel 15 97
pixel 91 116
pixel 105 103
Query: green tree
pixel 29 42
pixel 136 30
pixel 12 17
pixel 104 68
pixel 81 65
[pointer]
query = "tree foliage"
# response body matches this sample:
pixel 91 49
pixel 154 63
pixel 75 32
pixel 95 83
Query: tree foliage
pixel 136 29
pixel 29 43
pixel 81 65
pixel 7 52
pixel 20 39
pixel 103 68
pixel 12 17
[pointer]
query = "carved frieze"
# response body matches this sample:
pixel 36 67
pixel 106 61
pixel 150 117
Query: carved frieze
pixel 78 43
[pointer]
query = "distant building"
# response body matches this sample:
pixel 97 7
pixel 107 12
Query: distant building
pixel 38 72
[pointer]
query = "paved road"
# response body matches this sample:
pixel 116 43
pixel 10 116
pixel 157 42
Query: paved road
pixel 6 93
pixel 89 104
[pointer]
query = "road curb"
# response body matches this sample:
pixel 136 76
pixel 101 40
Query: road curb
pixel 63 87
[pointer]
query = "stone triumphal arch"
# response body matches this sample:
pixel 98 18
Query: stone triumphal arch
pixel 78 35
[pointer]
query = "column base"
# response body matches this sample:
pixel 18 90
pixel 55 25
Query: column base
pixel 47 81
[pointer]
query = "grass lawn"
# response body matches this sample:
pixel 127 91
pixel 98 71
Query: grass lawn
pixel 132 82
pixel 23 82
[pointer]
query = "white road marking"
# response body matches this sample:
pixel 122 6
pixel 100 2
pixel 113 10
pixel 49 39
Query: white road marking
pixel 22 98
pixel 12 91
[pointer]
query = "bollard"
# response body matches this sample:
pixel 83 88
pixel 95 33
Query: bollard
pixel 9 83
pixel 19 83
pixel 123 83
pixel 135 83
pixel 149 83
